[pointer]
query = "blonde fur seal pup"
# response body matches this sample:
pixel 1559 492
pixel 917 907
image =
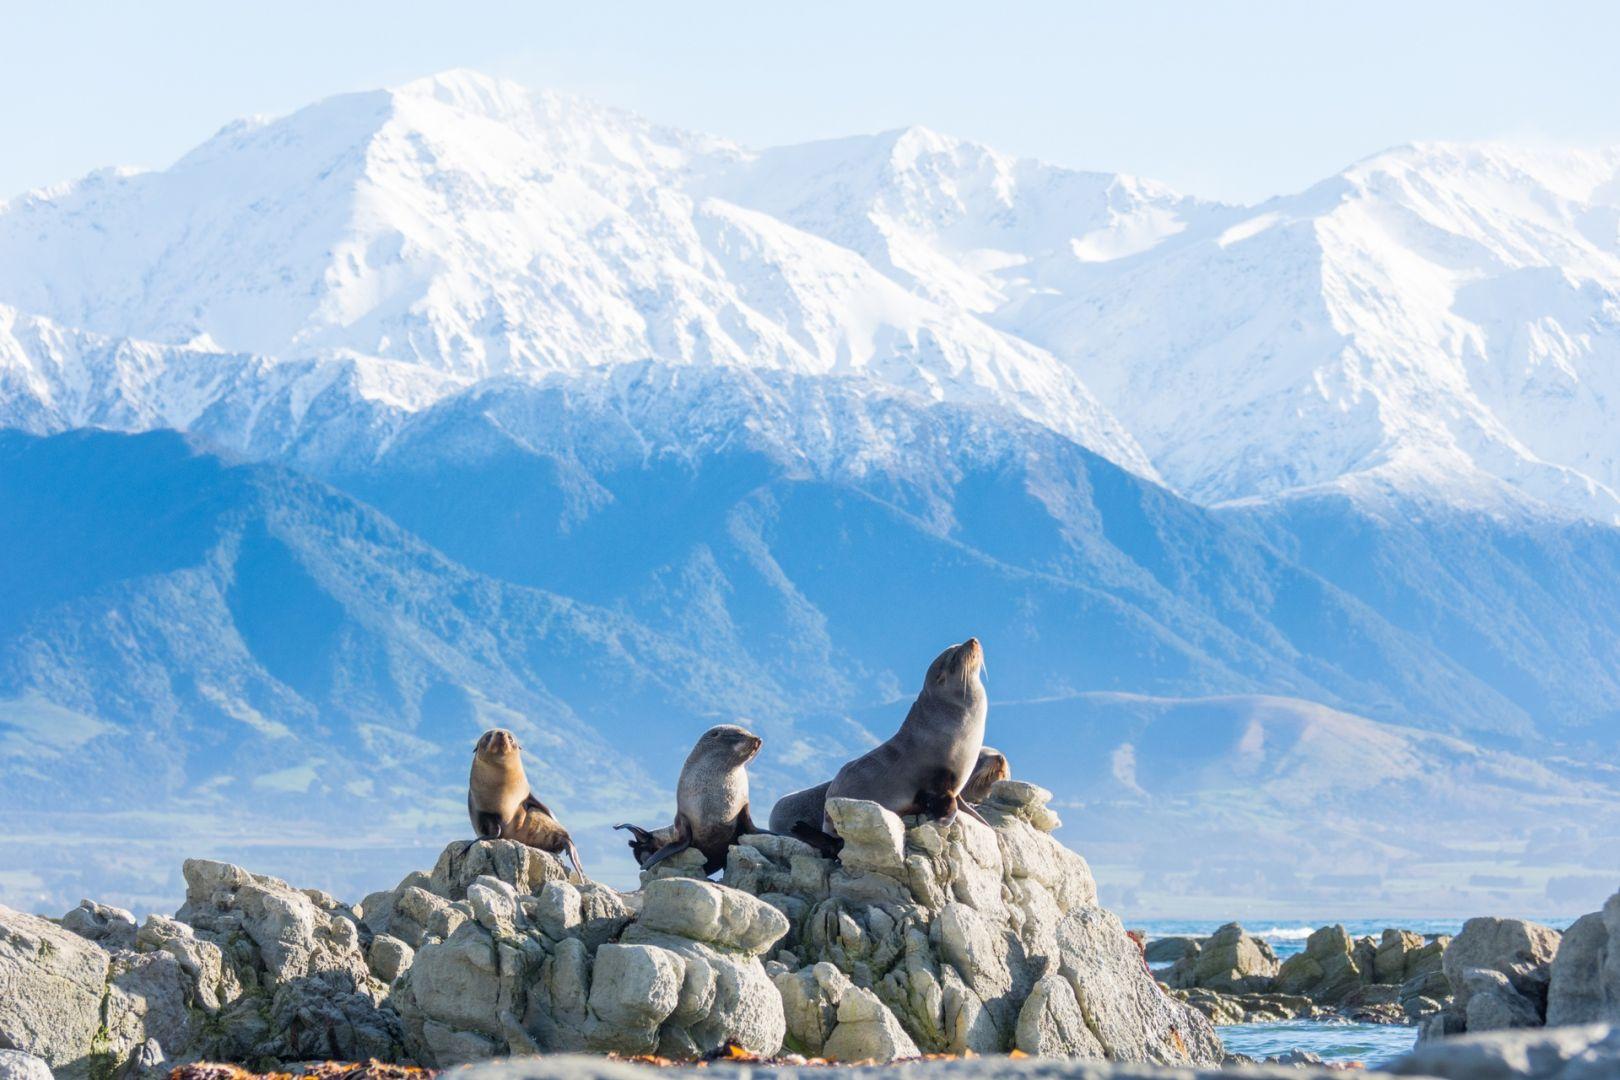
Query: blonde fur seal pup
pixel 922 767
pixel 711 801
pixel 501 804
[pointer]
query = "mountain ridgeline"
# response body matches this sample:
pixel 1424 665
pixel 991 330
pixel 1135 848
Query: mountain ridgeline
pixel 455 406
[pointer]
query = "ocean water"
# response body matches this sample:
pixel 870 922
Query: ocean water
pixel 1371 1044
pixel 1335 1040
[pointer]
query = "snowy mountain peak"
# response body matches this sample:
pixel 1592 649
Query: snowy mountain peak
pixel 1439 310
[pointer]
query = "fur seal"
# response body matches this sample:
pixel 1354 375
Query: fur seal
pixel 711 801
pixel 806 807
pixel 502 806
pixel 923 766
pixel 992 766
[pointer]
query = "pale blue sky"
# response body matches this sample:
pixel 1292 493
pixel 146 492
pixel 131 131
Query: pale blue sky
pixel 1227 100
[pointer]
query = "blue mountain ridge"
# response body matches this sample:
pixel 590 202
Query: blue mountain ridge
pixel 290 659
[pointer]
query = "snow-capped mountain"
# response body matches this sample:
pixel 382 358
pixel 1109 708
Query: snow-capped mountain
pixel 1441 318
pixel 470 228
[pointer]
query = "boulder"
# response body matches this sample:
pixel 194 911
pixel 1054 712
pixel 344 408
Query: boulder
pixel 1231 961
pixel 1520 950
pixel 16 1065
pixel 53 984
pixel 1583 1052
pixel 1326 971
pixel 1584 985
pixel 1168 950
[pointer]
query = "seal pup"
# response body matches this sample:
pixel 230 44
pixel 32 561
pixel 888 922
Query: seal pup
pixel 501 804
pixel 992 766
pixel 927 762
pixel 711 801
pixel 808 805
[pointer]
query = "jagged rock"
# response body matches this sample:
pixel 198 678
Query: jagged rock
pixel 954 938
pixel 109 927
pixel 388 957
pixel 16 1065
pixel 52 986
pixel 1584 986
pixel 1170 949
pixel 703 911
pixel 1326 971
pixel 1522 951
pixel 1131 1017
pixel 1581 1052
pixel 524 868
pixel 1230 961
pixel 1051 1024
pixel 867 1031
pixel 1249 1008
pixel 1491 1002
pixel 810 999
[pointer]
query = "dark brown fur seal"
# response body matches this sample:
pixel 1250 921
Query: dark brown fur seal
pixel 806 807
pixel 923 767
pixel 502 806
pixel 711 801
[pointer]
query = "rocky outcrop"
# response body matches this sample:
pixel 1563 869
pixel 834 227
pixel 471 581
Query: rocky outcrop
pixel 1499 971
pixel 917 939
pixel 1230 961
pixel 1584 985
pixel 1232 977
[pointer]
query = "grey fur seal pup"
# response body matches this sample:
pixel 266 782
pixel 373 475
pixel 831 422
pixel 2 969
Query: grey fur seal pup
pixel 711 801
pixel 923 766
pixel 808 806
pixel 501 804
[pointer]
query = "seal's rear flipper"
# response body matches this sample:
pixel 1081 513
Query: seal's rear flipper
pixel 573 857
pixel 642 843
pixel 682 841
pixel 828 846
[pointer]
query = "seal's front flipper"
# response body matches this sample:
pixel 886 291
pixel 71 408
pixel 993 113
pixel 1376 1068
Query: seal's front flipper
pixel 745 823
pixel 828 846
pixel 486 825
pixel 674 847
pixel 972 811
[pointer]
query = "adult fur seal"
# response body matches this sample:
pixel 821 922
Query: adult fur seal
pixel 502 806
pixel 806 807
pixel 923 766
pixel 711 801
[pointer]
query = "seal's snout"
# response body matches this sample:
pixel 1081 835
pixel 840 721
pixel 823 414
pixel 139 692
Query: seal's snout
pixel 498 741
pixel 972 654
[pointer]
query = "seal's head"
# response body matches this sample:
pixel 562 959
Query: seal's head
pixel 496 744
pixel 953 677
pixel 728 744
pixel 992 766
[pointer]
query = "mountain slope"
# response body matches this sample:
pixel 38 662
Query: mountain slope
pixel 1268 807
pixel 234 647
pixel 1441 318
